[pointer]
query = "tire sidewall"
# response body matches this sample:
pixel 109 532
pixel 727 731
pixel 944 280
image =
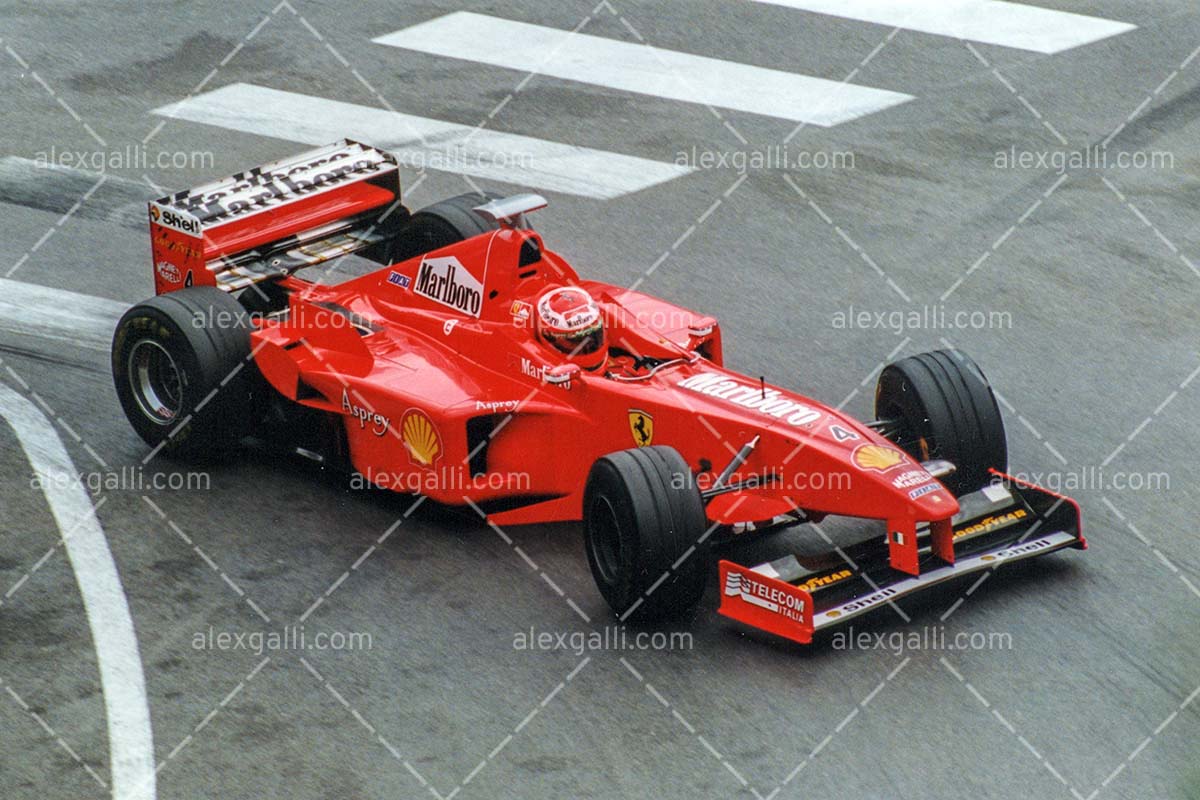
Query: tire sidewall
pixel 206 334
pixel 604 485
pixel 144 323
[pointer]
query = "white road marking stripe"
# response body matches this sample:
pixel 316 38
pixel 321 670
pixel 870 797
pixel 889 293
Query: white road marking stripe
pixel 642 69
pixel 57 189
pixel 130 743
pixel 419 141
pixel 81 319
pixel 1041 30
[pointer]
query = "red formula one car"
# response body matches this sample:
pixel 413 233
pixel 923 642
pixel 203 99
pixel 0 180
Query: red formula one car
pixel 474 365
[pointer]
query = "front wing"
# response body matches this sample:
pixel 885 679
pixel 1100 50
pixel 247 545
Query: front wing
pixel 1002 523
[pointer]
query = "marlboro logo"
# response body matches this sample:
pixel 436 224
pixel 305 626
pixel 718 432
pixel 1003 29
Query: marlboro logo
pixel 447 281
pixel 770 402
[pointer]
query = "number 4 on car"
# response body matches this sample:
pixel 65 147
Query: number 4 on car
pixel 469 351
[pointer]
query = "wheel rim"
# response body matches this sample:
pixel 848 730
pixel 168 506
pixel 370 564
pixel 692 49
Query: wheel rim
pixel 906 436
pixel 604 539
pixel 156 381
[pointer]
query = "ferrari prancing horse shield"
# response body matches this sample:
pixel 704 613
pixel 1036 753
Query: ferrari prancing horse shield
pixel 641 425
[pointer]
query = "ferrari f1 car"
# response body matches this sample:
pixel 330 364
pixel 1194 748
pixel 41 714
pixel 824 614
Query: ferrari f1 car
pixel 471 351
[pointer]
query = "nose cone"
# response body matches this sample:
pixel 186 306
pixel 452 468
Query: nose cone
pixel 933 501
pixel 909 483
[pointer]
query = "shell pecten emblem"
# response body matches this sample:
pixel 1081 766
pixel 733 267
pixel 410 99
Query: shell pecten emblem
pixel 421 438
pixel 877 457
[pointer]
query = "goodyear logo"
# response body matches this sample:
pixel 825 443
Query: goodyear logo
pixel 991 523
pixel 821 581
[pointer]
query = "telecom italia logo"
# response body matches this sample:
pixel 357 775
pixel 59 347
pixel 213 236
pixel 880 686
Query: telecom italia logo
pixel 759 594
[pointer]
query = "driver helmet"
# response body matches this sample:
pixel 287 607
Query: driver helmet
pixel 569 320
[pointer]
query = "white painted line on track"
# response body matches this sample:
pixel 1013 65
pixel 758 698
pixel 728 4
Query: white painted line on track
pixel 639 68
pixel 423 142
pixel 1042 30
pixel 58 189
pixel 80 319
pixel 130 743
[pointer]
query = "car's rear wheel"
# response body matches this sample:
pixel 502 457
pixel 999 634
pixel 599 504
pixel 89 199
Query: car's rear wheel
pixel 939 405
pixel 441 224
pixel 643 523
pixel 180 371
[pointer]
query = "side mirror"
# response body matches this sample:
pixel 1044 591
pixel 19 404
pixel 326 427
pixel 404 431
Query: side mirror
pixel 562 375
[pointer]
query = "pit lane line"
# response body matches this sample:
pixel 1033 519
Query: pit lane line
pixel 123 684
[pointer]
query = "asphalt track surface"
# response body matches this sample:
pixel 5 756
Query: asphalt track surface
pixel 1094 694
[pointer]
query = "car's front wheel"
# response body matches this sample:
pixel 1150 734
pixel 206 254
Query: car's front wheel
pixel 939 405
pixel 644 526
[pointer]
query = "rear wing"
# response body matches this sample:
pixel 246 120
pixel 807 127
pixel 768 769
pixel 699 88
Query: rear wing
pixel 271 220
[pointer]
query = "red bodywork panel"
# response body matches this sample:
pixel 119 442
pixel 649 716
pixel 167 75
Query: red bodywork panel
pixel 422 356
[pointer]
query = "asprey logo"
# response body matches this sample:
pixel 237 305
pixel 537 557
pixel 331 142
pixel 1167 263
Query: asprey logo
pixel 445 280
pixel 497 405
pixel 738 584
pixel 378 422
pixel 175 220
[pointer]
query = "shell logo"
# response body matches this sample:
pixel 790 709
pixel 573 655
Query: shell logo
pixel 421 438
pixel 877 457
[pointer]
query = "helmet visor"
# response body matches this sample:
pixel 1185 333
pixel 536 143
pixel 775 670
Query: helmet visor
pixel 582 342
